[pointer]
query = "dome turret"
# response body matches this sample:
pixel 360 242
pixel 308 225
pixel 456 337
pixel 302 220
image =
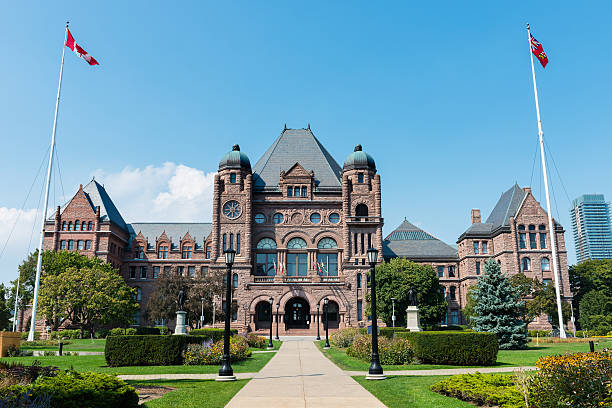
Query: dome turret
pixel 359 160
pixel 235 160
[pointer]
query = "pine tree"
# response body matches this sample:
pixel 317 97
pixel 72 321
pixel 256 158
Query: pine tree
pixel 498 308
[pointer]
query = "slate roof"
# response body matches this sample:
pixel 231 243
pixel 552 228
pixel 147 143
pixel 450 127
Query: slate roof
pixel 297 146
pixel 97 196
pixel 174 230
pixel 506 207
pixel 409 241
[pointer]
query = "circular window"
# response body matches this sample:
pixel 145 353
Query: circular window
pixel 260 218
pixel 232 209
pixel 334 218
pixel 315 218
pixel 278 218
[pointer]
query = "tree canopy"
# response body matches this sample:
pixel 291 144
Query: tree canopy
pixel 591 283
pixel 395 278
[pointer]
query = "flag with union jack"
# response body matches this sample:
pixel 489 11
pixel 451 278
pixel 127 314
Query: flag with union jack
pixel 538 51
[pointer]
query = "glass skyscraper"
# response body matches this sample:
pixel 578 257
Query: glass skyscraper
pixel 590 215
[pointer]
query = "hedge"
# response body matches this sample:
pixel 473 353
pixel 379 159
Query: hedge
pixel 119 331
pixel 140 350
pixel 69 334
pixel 456 348
pixel 214 334
pixel 482 390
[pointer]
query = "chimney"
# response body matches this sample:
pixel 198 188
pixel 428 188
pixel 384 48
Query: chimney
pixel 527 190
pixel 475 216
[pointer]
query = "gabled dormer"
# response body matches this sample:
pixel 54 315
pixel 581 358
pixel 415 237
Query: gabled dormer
pixel 187 246
pixel 297 183
pixel 163 245
pixel 139 246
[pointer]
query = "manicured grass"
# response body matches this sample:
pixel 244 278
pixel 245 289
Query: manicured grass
pixel 410 391
pixel 98 364
pixel 193 394
pixel 76 345
pixel 508 358
pixel 275 343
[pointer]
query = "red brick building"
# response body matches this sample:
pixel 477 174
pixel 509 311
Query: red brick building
pixel 301 226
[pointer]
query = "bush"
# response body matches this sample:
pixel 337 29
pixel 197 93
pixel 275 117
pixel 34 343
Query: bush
pixel 212 353
pixel 390 331
pixel 15 351
pixel 482 389
pixel 119 331
pixel 539 333
pixel 163 330
pixel 24 335
pixel 390 351
pixel 43 343
pixel 344 337
pixel 572 380
pixel 15 373
pixel 255 341
pixel 147 350
pixel 144 330
pixel 69 389
pixel 69 334
pixel 214 334
pixel 456 348
pixel 101 333
pixel 451 327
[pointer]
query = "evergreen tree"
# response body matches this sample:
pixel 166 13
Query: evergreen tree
pixel 498 308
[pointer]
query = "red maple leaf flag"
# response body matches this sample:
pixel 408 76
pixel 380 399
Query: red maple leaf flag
pixel 70 43
pixel 538 50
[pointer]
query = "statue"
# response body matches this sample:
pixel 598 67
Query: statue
pixel 181 299
pixel 412 297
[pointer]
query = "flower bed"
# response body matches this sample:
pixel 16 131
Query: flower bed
pixel 344 337
pixel 482 389
pixel 255 340
pixel 210 353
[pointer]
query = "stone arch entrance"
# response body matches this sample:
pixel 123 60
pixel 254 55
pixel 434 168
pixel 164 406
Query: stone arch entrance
pixel 297 314
pixel 262 315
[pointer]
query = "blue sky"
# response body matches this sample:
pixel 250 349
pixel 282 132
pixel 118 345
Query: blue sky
pixel 439 93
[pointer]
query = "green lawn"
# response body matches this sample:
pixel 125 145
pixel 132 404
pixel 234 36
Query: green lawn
pixel 76 345
pixel 410 392
pixel 193 394
pixel 98 364
pixel 508 358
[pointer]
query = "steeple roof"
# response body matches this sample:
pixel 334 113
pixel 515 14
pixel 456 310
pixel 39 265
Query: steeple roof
pixel 297 146
pixel 506 207
pixel 410 241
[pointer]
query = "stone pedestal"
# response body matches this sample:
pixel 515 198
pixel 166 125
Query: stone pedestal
pixel 412 319
pixel 180 323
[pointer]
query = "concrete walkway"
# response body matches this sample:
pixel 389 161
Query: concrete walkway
pixel 299 375
pixel 448 371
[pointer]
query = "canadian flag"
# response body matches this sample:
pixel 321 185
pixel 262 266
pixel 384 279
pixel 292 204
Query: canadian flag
pixel 70 43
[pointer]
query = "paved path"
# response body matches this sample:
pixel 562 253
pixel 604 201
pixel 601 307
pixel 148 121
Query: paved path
pixel 299 375
pixel 448 371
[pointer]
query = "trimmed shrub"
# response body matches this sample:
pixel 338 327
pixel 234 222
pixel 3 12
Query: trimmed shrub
pixel 163 330
pixel 539 333
pixel 147 350
pixel 24 335
pixel 255 341
pixel 69 389
pixel 211 333
pixel 148 330
pixel 390 351
pixel 212 353
pixel 43 343
pixel 119 331
pixel 482 389
pixel 456 348
pixel 451 327
pixel 390 331
pixel 344 337
pixel 69 334
pixel 101 333
pixel 572 380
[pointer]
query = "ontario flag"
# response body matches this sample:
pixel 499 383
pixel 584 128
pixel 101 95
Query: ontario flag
pixel 76 48
pixel 538 50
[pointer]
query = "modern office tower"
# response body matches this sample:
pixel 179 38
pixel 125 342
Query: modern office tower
pixel 590 215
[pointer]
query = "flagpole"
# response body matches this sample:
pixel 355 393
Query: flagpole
pixel 46 202
pixel 551 226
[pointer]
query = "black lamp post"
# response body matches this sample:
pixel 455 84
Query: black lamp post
pixel 277 307
pixel 225 372
pixel 270 345
pixel 326 308
pixel 376 371
pixel 318 321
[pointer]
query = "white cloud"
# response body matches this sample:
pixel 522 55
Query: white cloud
pixel 19 235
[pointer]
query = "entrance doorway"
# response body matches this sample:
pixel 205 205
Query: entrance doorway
pixel 297 314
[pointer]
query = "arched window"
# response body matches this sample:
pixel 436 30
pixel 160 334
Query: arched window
pixel 453 293
pixel 358 281
pixel 64 226
pixel 542 227
pixel 361 210
pixel 77 225
pixel 83 226
pixel 327 243
pixel 521 227
pixel 89 226
pixel 526 264
pixel 296 243
pixel 545 263
pixel 138 294
pixel 70 226
pixel 238 243
pixel 266 243
pixel 235 281
pixel 443 292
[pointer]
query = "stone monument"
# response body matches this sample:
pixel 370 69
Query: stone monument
pixel 413 322
pixel 180 315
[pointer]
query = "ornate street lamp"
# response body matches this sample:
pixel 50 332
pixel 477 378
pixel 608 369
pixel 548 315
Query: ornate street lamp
pixel 393 316
pixel 326 309
pixel 277 307
pixel 318 321
pixel 202 315
pixel 376 371
pixel 270 345
pixel 225 372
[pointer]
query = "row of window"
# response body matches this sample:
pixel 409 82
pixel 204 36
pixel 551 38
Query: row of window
pixel 480 247
pixel 451 271
pixel 452 292
pixel 315 218
pixel 164 249
pixel 297 263
pixel 359 242
pixel 454 318
pixel 297 191
pixel 78 226
pixel 80 244
pixel 533 237
pixel 526 264
pixel 230 244
pixel 141 272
